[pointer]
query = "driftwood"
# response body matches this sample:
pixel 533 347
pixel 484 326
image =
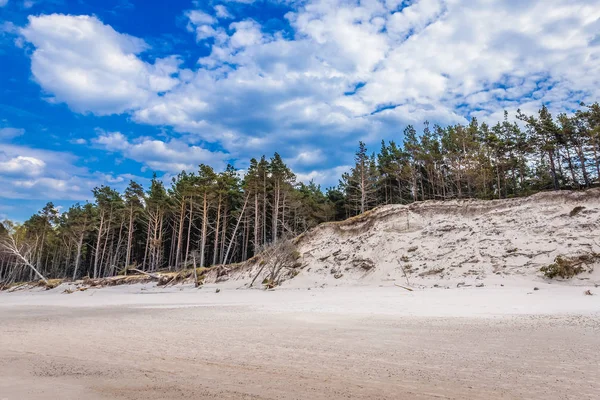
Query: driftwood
pixel 139 271
pixel 15 288
pixel 403 287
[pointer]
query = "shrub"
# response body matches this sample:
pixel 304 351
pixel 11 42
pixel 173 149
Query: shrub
pixel 567 267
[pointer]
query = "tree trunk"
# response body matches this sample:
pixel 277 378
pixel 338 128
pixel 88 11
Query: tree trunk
pixel 78 256
pixel 129 238
pixel 275 210
pixel 147 249
pixel 204 228
pixel 237 224
pixel 256 224
pixel 102 257
pixel 223 235
pixel 189 234
pixel 553 170
pixel 584 172
pixel 570 164
pixel 216 244
pixel 97 250
pixel 180 233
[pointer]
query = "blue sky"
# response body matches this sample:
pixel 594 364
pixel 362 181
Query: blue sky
pixel 100 92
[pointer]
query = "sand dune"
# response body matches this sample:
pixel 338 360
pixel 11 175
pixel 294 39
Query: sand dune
pixel 468 242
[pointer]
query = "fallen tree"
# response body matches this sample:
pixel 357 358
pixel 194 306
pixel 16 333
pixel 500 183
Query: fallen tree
pixel 14 245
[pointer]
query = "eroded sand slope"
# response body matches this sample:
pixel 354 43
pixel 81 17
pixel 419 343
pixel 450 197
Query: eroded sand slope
pixel 451 242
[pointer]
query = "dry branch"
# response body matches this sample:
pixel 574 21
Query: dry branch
pixel 403 287
pixel 139 271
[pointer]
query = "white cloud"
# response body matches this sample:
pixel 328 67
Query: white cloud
pixel 59 164
pixel 22 166
pixel 197 17
pixel 325 177
pixel 3 3
pixel 246 33
pixel 93 68
pixel 351 70
pixel 171 156
pixel 78 141
pixel 10 133
pixel 307 157
pixel 29 173
pixel 222 12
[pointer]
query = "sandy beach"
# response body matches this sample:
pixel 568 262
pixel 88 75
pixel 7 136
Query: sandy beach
pixel 363 342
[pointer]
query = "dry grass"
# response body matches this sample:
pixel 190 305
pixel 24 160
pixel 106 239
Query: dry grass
pixel 51 283
pixel 576 211
pixel 431 272
pixel 115 280
pixel 358 224
pixel 173 278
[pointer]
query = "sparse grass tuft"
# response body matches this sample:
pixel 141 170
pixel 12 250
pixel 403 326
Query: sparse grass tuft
pixel 576 211
pixel 435 271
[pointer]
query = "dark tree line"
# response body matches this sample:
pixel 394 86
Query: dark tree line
pixel 207 217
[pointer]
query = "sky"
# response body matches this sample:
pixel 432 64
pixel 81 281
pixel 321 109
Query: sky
pixel 98 92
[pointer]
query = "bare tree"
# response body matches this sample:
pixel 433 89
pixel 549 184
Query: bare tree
pixel 275 257
pixel 16 247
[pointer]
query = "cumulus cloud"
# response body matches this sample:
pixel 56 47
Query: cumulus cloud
pixel 349 71
pixel 172 156
pixel 203 25
pixel 22 166
pixel 222 12
pixel 30 173
pixel 91 67
pixel 363 71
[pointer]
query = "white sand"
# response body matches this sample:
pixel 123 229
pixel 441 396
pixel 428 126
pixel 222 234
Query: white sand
pixel 515 297
pixel 140 342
